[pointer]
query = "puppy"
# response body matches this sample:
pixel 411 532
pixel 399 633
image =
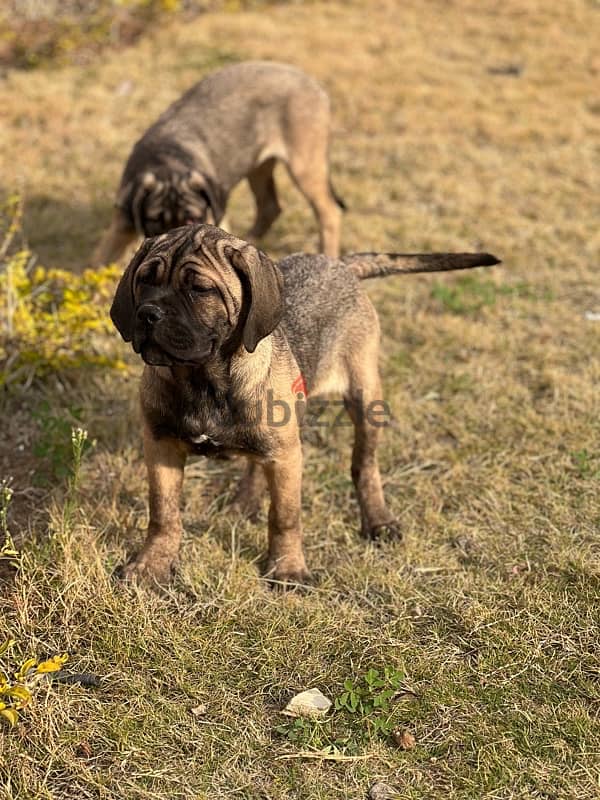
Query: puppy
pixel 236 123
pixel 227 335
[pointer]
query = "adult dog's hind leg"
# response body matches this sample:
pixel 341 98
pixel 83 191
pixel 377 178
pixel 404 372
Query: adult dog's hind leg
pixel 312 178
pixel 263 187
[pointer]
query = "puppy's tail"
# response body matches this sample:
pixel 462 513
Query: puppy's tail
pixel 377 265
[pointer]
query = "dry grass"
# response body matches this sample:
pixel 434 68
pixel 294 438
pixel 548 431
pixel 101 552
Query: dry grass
pixel 490 606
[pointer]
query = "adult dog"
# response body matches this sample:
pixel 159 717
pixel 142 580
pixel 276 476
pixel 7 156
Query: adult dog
pixel 226 333
pixel 236 123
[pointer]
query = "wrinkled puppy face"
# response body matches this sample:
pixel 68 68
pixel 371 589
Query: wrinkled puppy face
pixel 194 295
pixel 158 202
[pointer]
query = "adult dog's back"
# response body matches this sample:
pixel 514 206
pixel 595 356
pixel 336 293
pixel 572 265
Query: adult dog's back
pixel 236 123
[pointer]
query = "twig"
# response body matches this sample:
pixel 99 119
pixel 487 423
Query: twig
pixel 320 756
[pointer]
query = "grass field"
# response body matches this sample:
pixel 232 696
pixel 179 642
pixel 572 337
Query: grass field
pixel 457 126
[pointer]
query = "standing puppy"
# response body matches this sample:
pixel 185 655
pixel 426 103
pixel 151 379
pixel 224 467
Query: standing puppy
pixel 225 332
pixel 234 124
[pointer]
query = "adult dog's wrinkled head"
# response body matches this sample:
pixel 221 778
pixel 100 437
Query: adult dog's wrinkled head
pixel 196 294
pixel 159 201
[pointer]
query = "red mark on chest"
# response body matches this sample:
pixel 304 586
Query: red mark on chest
pixel 299 385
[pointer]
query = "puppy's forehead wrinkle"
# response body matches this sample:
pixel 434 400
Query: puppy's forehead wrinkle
pixel 154 263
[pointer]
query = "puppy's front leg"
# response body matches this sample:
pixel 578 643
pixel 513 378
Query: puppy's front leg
pixel 286 557
pixel 165 462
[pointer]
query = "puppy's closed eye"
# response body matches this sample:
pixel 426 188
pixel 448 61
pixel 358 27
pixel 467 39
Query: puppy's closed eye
pixel 202 289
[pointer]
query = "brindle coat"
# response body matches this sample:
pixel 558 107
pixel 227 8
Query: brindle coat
pixel 236 123
pixel 223 331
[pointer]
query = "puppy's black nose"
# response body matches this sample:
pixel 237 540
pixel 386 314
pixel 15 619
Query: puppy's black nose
pixel 150 313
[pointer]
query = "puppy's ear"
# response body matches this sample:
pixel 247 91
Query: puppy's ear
pixel 214 196
pixel 122 310
pixel 263 294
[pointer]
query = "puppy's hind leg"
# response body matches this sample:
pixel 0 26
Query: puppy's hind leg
pixel 363 403
pixel 250 491
pixel 263 187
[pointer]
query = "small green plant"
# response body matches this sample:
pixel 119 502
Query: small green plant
pixel 54 445
pixel 79 445
pixel 17 692
pixel 370 700
pixel 8 552
pixel 584 463
pixel 363 711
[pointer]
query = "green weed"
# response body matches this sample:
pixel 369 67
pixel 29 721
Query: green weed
pixel 364 711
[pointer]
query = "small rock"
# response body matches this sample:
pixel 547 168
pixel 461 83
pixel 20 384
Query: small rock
pixel 199 711
pixel 124 88
pixel 381 791
pixel 311 703
pixel 404 738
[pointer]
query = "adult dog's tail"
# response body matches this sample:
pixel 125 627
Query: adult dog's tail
pixel 377 265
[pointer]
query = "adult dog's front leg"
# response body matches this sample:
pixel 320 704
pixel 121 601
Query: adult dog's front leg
pixel 286 556
pixel 165 462
pixel 119 236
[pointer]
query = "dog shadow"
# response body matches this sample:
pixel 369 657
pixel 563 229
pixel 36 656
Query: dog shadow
pixel 63 234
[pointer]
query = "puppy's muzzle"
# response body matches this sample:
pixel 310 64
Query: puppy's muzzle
pixel 150 314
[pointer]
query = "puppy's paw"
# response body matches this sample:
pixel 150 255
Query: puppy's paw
pixel 386 532
pixel 287 574
pixel 146 568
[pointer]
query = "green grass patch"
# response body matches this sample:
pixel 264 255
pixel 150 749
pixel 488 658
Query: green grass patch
pixel 470 293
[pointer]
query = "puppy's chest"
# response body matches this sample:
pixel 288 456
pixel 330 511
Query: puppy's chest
pixel 210 426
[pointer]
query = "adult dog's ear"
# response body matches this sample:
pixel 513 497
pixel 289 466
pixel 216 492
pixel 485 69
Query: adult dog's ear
pixel 262 283
pixel 133 196
pixel 122 311
pixel 214 196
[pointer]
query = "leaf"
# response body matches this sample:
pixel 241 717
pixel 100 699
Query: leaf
pixel 11 715
pixel 371 676
pixel 25 667
pixel 20 692
pixel 52 664
pixel 5 646
pixel 404 738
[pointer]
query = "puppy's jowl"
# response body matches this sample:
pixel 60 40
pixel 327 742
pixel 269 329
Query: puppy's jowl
pixel 236 123
pixel 221 328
